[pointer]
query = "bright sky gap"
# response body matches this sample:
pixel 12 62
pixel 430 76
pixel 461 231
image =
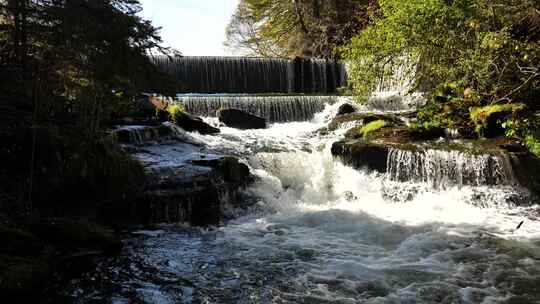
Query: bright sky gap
pixel 193 27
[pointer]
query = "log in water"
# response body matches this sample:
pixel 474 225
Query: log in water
pixel 253 75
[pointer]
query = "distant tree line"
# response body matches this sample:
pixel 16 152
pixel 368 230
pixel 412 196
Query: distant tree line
pixel 289 28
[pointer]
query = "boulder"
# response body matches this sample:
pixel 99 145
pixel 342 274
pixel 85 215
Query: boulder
pixel 362 119
pixel 229 168
pixel 233 171
pixel 361 154
pixel 192 123
pixel 144 111
pixel 526 169
pixel 199 192
pixel 392 134
pixel 240 120
pixel 345 108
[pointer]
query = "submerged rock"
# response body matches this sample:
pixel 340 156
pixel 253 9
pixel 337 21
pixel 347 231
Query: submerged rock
pixel 345 108
pixel 192 123
pixel 240 120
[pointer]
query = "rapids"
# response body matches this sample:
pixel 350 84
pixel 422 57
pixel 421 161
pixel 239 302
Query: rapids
pixel 322 232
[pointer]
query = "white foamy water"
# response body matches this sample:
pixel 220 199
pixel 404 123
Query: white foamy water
pixel 323 232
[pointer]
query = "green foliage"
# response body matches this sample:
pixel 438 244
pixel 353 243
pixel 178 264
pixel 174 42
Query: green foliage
pixel 487 46
pixel 174 110
pixel 438 114
pixel 81 60
pixel 100 171
pixel 371 127
pixel 481 55
pixel 527 128
pixel 479 115
pixel 288 28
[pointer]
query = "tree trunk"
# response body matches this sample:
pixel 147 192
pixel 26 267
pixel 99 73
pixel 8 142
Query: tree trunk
pixel 300 17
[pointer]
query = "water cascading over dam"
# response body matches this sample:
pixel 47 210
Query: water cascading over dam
pixel 240 75
pixel 273 108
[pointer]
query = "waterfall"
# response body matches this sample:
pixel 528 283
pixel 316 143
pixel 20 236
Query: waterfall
pixel 139 135
pixel 401 79
pixel 273 108
pixel 444 169
pixel 253 75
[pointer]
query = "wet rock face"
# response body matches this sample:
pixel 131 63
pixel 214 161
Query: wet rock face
pixel 399 134
pixel 526 168
pixel 197 194
pixel 192 123
pixel 345 109
pixel 361 154
pixel 240 120
pixel 444 164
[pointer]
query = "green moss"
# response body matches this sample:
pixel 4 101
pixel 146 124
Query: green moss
pixel 174 110
pixel 481 115
pixel 371 127
pixel 363 118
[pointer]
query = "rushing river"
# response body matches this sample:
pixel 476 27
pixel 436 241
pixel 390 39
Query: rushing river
pixel 321 232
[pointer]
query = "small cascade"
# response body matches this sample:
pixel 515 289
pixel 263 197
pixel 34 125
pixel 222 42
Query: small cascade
pixel 393 103
pixel 253 75
pixel 139 135
pixel 445 169
pixel 402 78
pixel 273 108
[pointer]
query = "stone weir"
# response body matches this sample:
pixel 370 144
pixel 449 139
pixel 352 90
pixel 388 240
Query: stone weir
pixel 272 108
pixel 250 75
pixel 184 183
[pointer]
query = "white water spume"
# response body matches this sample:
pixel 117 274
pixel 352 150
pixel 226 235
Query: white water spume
pixel 349 243
pixel 327 233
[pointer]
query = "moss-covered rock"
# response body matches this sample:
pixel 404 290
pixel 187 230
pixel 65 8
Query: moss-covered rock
pixel 489 119
pixel 192 123
pixel 362 119
pixel 392 134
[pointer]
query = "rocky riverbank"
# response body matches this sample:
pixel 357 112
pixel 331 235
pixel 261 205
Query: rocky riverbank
pixel 373 140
